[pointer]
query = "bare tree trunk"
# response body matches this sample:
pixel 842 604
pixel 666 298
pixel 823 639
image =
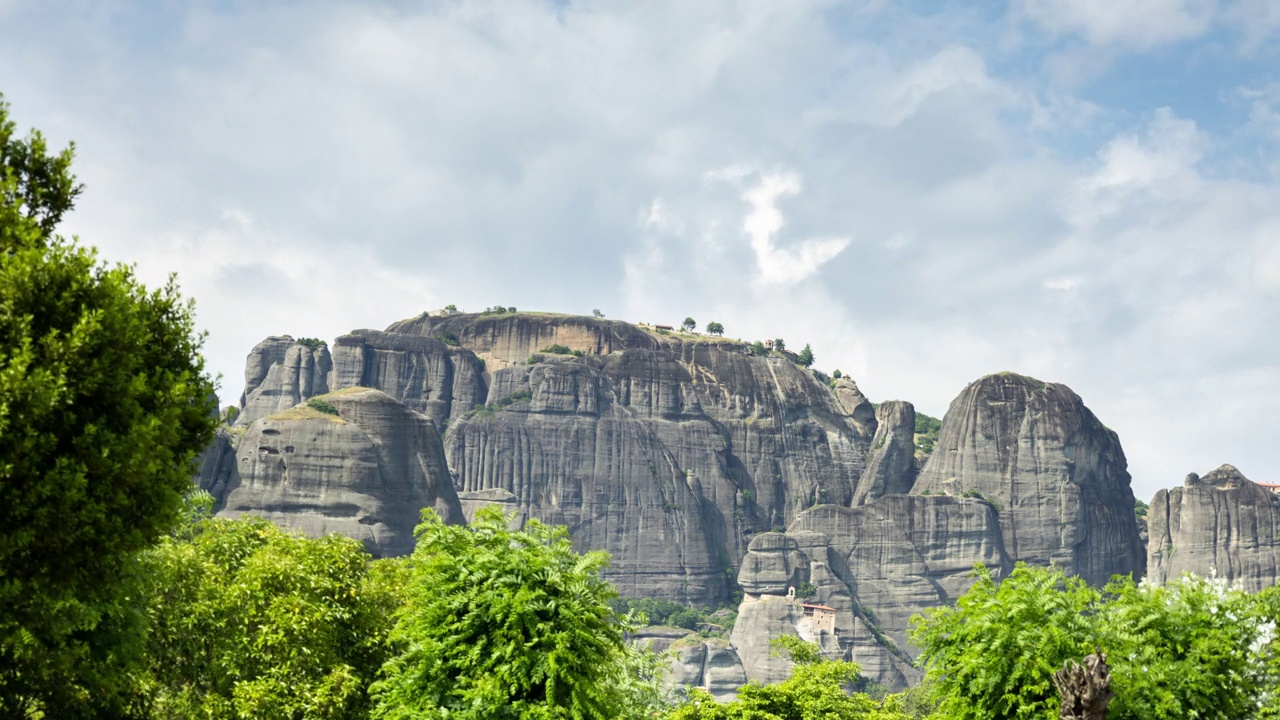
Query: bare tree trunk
pixel 1086 690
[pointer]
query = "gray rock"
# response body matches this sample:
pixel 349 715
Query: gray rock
pixel 435 379
pixel 279 373
pixel 891 464
pixel 1222 524
pixel 365 473
pixel 1056 475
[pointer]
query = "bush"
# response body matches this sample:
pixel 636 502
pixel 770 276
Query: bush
pixel 322 405
pixel 559 349
pixel 448 338
pixel 311 343
pixel 758 348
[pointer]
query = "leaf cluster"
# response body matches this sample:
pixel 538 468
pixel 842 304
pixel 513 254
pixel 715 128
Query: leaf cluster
pixel 503 624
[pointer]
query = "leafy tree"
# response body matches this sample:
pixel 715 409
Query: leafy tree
pixel 689 324
pixel 758 348
pixel 1179 650
pixel 715 328
pixel 450 309
pixel 503 624
pixel 247 620
pixel 779 345
pixel 836 374
pixel 805 358
pixel 597 314
pixel 104 403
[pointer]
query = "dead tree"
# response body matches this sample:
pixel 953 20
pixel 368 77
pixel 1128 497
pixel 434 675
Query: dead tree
pixel 1085 691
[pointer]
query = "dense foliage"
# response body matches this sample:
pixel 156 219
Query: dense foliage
pixel 104 403
pixel 1192 648
pixel 248 621
pixel 664 612
pixel 503 624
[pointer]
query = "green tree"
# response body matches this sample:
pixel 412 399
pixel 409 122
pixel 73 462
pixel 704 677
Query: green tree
pixel 805 358
pixel 758 348
pixel 1179 650
pixel 249 621
pixel 104 403
pixel 504 624
pixel 689 324
pixel 779 345
pixel 715 328
pixel 597 314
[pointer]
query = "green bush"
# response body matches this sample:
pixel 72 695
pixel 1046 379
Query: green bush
pixel 559 349
pixel 322 405
pixel 448 338
pixel 311 343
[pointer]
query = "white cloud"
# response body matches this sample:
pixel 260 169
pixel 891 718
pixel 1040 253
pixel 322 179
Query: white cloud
pixel 1138 24
pixel 763 223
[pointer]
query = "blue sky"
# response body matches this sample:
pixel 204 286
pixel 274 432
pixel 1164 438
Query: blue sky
pixel 1080 190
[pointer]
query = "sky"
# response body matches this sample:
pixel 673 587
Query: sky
pixel 1084 191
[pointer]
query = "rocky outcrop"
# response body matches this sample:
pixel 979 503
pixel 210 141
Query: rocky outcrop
pixel 365 472
pixel 668 457
pixel 1221 524
pixel 891 464
pixel 876 565
pixel 1056 475
pixel 438 380
pixel 696 662
pixel 280 373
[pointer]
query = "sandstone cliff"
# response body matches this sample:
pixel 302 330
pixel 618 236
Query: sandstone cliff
pixel 1056 475
pixel 1219 524
pixel 699 465
pixel 280 373
pixel 365 472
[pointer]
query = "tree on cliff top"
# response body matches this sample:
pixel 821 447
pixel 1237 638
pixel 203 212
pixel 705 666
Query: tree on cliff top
pixel 104 403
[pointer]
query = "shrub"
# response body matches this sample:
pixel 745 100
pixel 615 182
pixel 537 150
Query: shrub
pixel 311 343
pixel 322 406
pixel 448 338
pixel 559 349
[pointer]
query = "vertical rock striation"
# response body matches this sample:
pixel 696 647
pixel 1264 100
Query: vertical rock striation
pixel 1056 475
pixel 891 464
pixel 279 374
pixel 1221 524
pixel 366 472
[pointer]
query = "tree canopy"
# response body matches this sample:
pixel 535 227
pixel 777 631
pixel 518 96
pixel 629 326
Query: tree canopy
pixel 1192 648
pixel 104 403
pixel 499 623
pixel 247 620
pixel 715 328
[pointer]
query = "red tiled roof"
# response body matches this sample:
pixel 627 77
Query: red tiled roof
pixel 818 607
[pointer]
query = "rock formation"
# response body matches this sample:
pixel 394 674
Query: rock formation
pixel 1055 474
pixel 365 472
pixel 1221 524
pixel 692 460
pixel 891 465
pixel 280 373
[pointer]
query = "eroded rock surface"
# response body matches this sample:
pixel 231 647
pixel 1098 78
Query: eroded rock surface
pixel 1220 524
pixel 891 464
pixel 366 472
pixel 280 373
pixel 1056 475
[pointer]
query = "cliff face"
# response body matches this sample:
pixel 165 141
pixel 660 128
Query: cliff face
pixel 697 464
pixel 1055 474
pixel 1221 524
pixel 668 456
pixel 366 472
pixel 279 374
